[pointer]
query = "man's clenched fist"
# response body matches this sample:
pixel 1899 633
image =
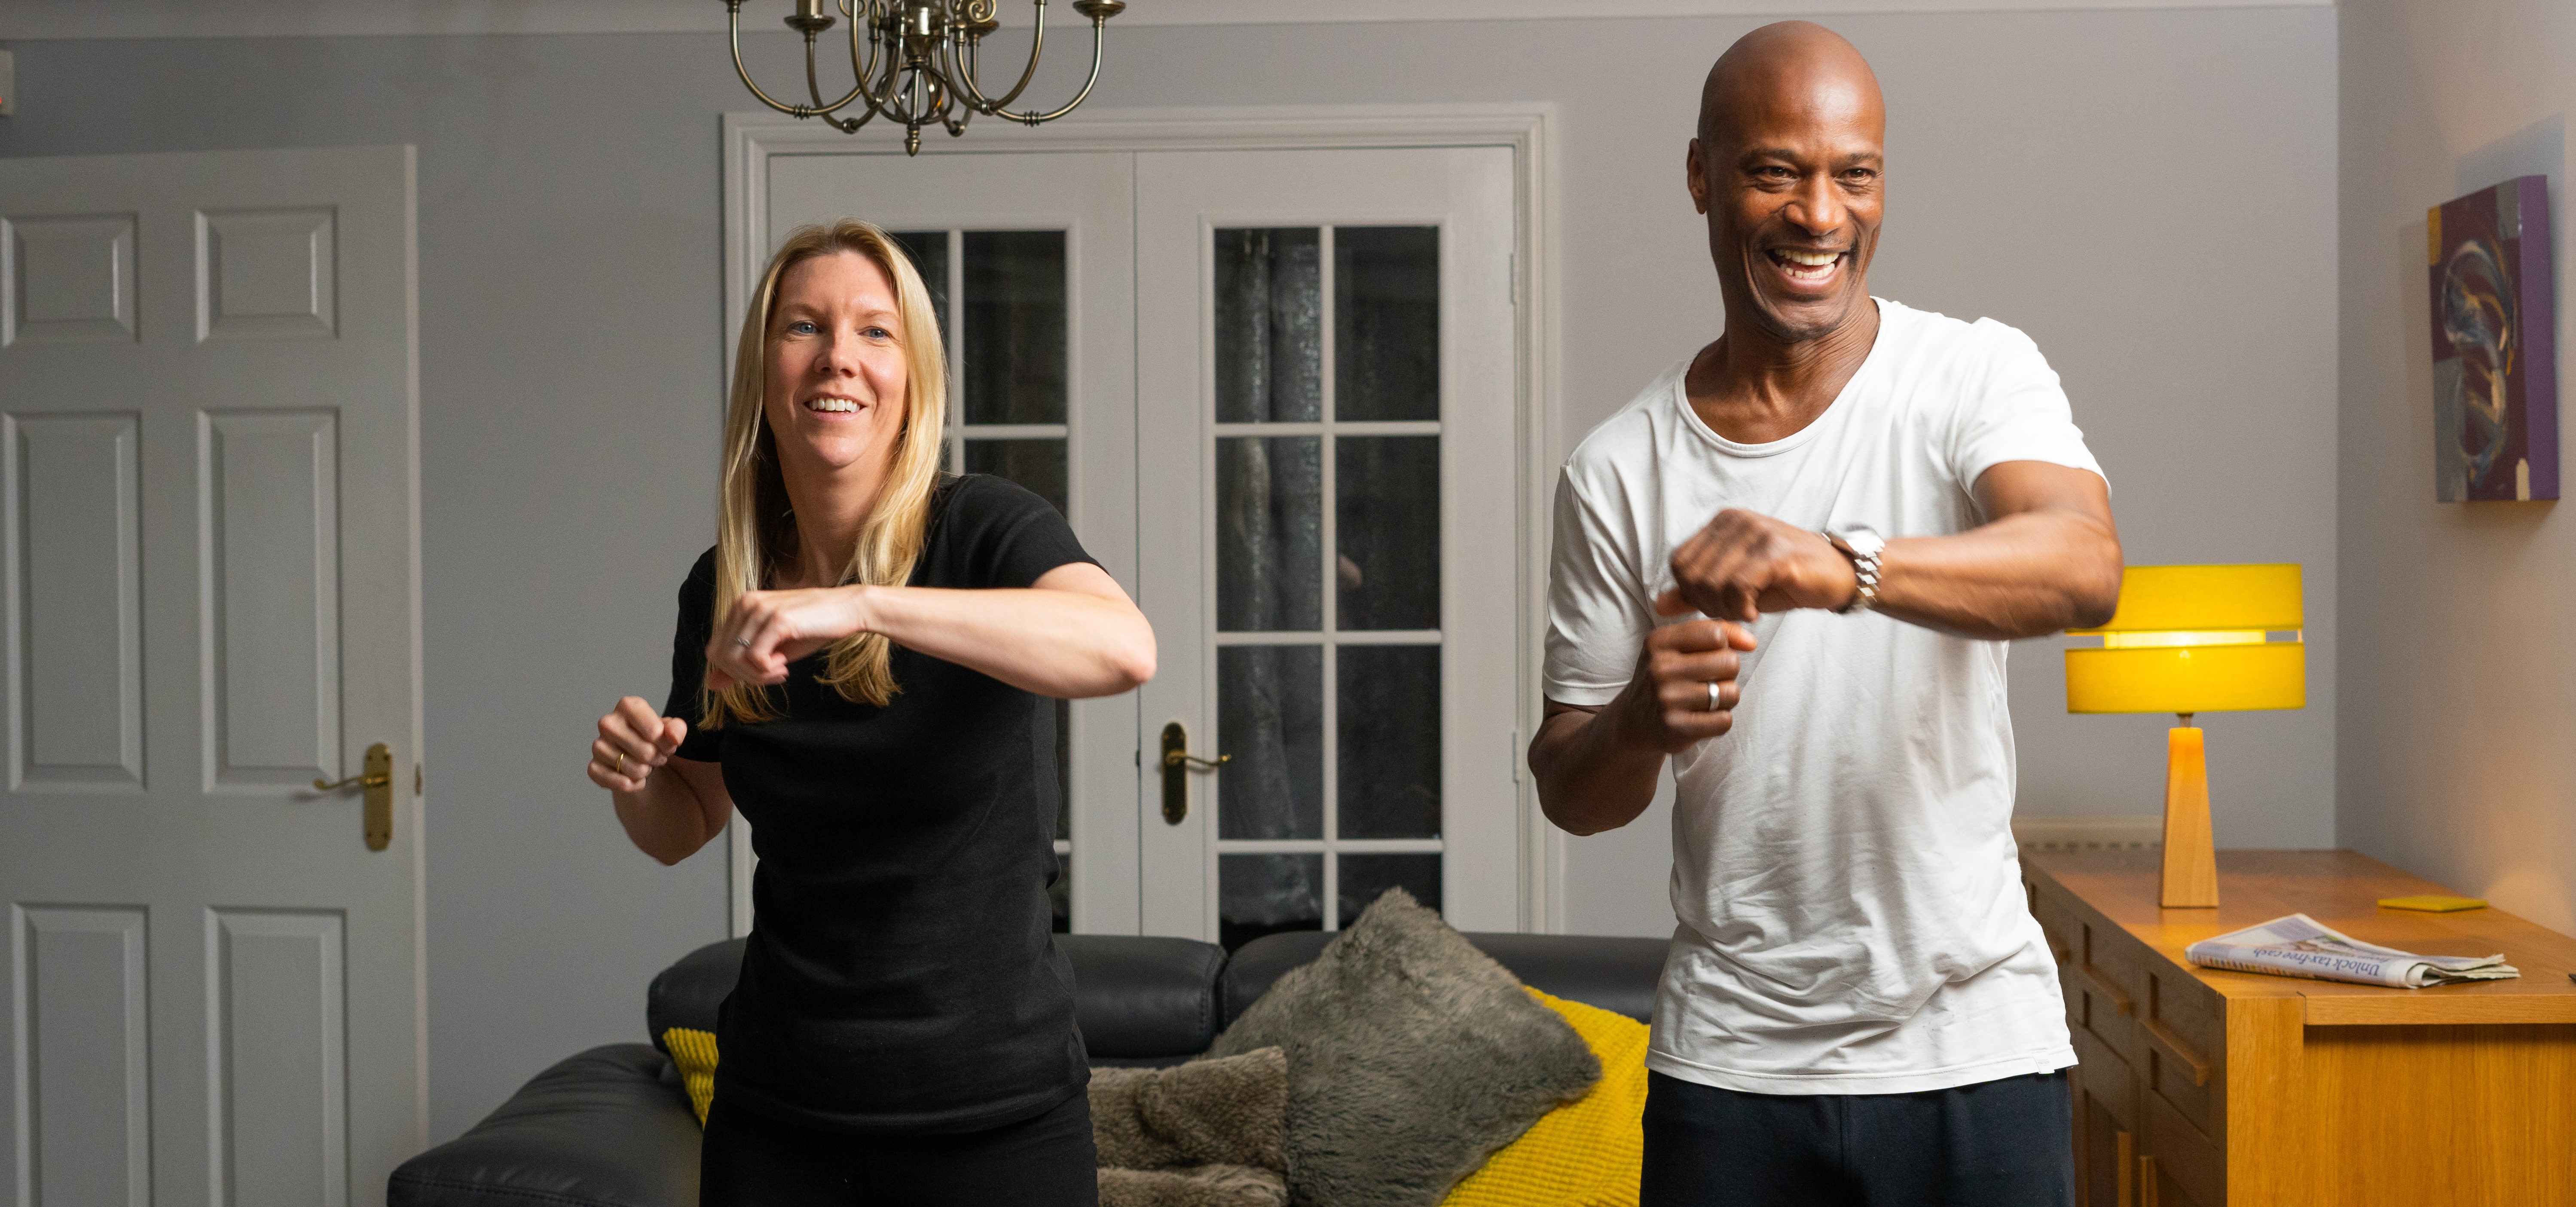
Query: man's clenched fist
pixel 1684 689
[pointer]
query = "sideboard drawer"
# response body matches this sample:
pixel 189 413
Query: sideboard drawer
pixel 2108 1079
pixel 2183 1155
pixel 2181 1027
pixel 2110 968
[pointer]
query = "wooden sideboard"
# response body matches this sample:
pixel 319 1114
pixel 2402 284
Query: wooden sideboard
pixel 2201 1088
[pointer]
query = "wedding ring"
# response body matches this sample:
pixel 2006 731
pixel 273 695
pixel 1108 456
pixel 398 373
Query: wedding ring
pixel 1713 704
pixel 621 762
pixel 744 642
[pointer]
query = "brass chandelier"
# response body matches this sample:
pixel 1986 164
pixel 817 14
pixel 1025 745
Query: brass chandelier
pixel 920 64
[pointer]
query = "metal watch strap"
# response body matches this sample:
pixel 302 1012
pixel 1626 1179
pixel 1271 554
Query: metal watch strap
pixel 1863 546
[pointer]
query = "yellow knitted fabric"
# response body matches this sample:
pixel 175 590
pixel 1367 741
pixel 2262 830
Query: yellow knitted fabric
pixel 695 1052
pixel 1587 1153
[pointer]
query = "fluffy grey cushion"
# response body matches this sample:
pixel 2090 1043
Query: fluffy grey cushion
pixel 1196 1186
pixel 1206 1134
pixel 1412 1056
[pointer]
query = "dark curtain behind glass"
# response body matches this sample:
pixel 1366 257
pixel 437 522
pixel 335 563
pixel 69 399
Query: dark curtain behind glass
pixel 1269 369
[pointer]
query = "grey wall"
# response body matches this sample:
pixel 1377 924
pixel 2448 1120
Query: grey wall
pixel 2452 746
pixel 2150 194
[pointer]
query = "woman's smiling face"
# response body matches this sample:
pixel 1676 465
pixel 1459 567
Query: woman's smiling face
pixel 837 367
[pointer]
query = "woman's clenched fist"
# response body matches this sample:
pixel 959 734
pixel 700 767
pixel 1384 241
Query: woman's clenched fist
pixel 633 740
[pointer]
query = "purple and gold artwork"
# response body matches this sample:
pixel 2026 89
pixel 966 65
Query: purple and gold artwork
pixel 2495 362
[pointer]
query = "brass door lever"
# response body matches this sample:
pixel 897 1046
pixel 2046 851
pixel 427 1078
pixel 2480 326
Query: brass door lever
pixel 1177 764
pixel 376 777
pixel 360 780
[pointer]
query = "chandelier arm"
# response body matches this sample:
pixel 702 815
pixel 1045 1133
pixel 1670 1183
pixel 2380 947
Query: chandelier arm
pixel 813 85
pixel 863 72
pixel 956 66
pixel 888 96
pixel 946 107
pixel 974 92
pixel 961 54
pixel 1099 35
pixel 733 30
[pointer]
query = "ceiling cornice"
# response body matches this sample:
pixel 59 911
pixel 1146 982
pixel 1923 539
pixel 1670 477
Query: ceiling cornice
pixel 24 20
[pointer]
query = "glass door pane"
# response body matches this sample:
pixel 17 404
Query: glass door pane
pixel 1326 441
pixel 1007 291
pixel 1328 570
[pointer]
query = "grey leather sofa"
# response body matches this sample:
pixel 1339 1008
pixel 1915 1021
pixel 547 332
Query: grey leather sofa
pixel 611 1127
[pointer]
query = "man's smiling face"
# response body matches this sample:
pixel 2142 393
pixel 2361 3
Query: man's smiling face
pixel 1789 168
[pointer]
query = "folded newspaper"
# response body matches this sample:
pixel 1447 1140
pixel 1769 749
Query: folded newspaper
pixel 2299 945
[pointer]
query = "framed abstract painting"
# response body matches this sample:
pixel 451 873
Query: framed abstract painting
pixel 2495 361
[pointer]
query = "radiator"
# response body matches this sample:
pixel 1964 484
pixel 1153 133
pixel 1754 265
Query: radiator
pixel 2098 832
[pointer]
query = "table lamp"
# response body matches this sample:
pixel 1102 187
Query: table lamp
pixel 2188 640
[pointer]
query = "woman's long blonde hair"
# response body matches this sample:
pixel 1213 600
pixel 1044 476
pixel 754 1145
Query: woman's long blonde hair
pixel 756 527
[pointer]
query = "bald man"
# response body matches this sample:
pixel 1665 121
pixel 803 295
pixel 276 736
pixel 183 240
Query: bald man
pixel 1789 568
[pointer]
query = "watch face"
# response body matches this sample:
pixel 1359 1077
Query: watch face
pixel 1861 538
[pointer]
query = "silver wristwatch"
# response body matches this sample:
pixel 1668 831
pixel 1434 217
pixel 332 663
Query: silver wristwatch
pixel 1863 545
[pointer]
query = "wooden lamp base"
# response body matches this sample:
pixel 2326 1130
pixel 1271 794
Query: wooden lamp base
pixel 2191 856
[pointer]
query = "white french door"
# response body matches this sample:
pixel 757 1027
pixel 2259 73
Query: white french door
pixel 1029 258
pixel 209 514
pixel 1357 656
pixel 1326 388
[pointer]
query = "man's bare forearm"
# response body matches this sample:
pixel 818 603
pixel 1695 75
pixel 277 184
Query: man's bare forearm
pixel 2025 575
pixel 1588 779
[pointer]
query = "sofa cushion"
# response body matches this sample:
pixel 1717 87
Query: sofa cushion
pixel 1211 1133
pixel 1617 975
pixel 690 992
pixel 1138 999
pixel 606 1128
pixel 1411 1057
pixel 693 1053
pixel 1590 1151
pixel 1230 1111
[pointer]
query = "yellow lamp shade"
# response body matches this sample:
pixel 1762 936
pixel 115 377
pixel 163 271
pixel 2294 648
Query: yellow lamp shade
pixel 2192 639
pixel 2185 598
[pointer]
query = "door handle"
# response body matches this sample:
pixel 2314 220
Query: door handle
pixel 1177 764
pixel 376 778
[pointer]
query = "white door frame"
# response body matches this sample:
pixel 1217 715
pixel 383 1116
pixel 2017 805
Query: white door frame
pixel 750 139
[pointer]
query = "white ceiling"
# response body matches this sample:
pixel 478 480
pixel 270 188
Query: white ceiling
pixel 28 19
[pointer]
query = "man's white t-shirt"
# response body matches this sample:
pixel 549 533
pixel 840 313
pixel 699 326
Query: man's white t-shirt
pixel 1852 917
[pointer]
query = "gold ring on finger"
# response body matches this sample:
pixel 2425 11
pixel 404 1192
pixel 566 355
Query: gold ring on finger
pixel 621 762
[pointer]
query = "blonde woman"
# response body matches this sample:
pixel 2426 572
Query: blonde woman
pixel 863 664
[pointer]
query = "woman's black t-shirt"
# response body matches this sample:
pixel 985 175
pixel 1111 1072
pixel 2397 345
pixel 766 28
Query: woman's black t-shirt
pixel 901 974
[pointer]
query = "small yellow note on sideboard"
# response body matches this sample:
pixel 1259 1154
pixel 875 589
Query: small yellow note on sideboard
pixel 2432 904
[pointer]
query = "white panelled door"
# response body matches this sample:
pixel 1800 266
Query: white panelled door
pixel 1030 258
pixel 209 537
pixel 1326 391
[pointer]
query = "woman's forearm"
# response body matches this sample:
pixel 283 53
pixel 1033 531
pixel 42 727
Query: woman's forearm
pixel 667 819
pixel 1068 644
